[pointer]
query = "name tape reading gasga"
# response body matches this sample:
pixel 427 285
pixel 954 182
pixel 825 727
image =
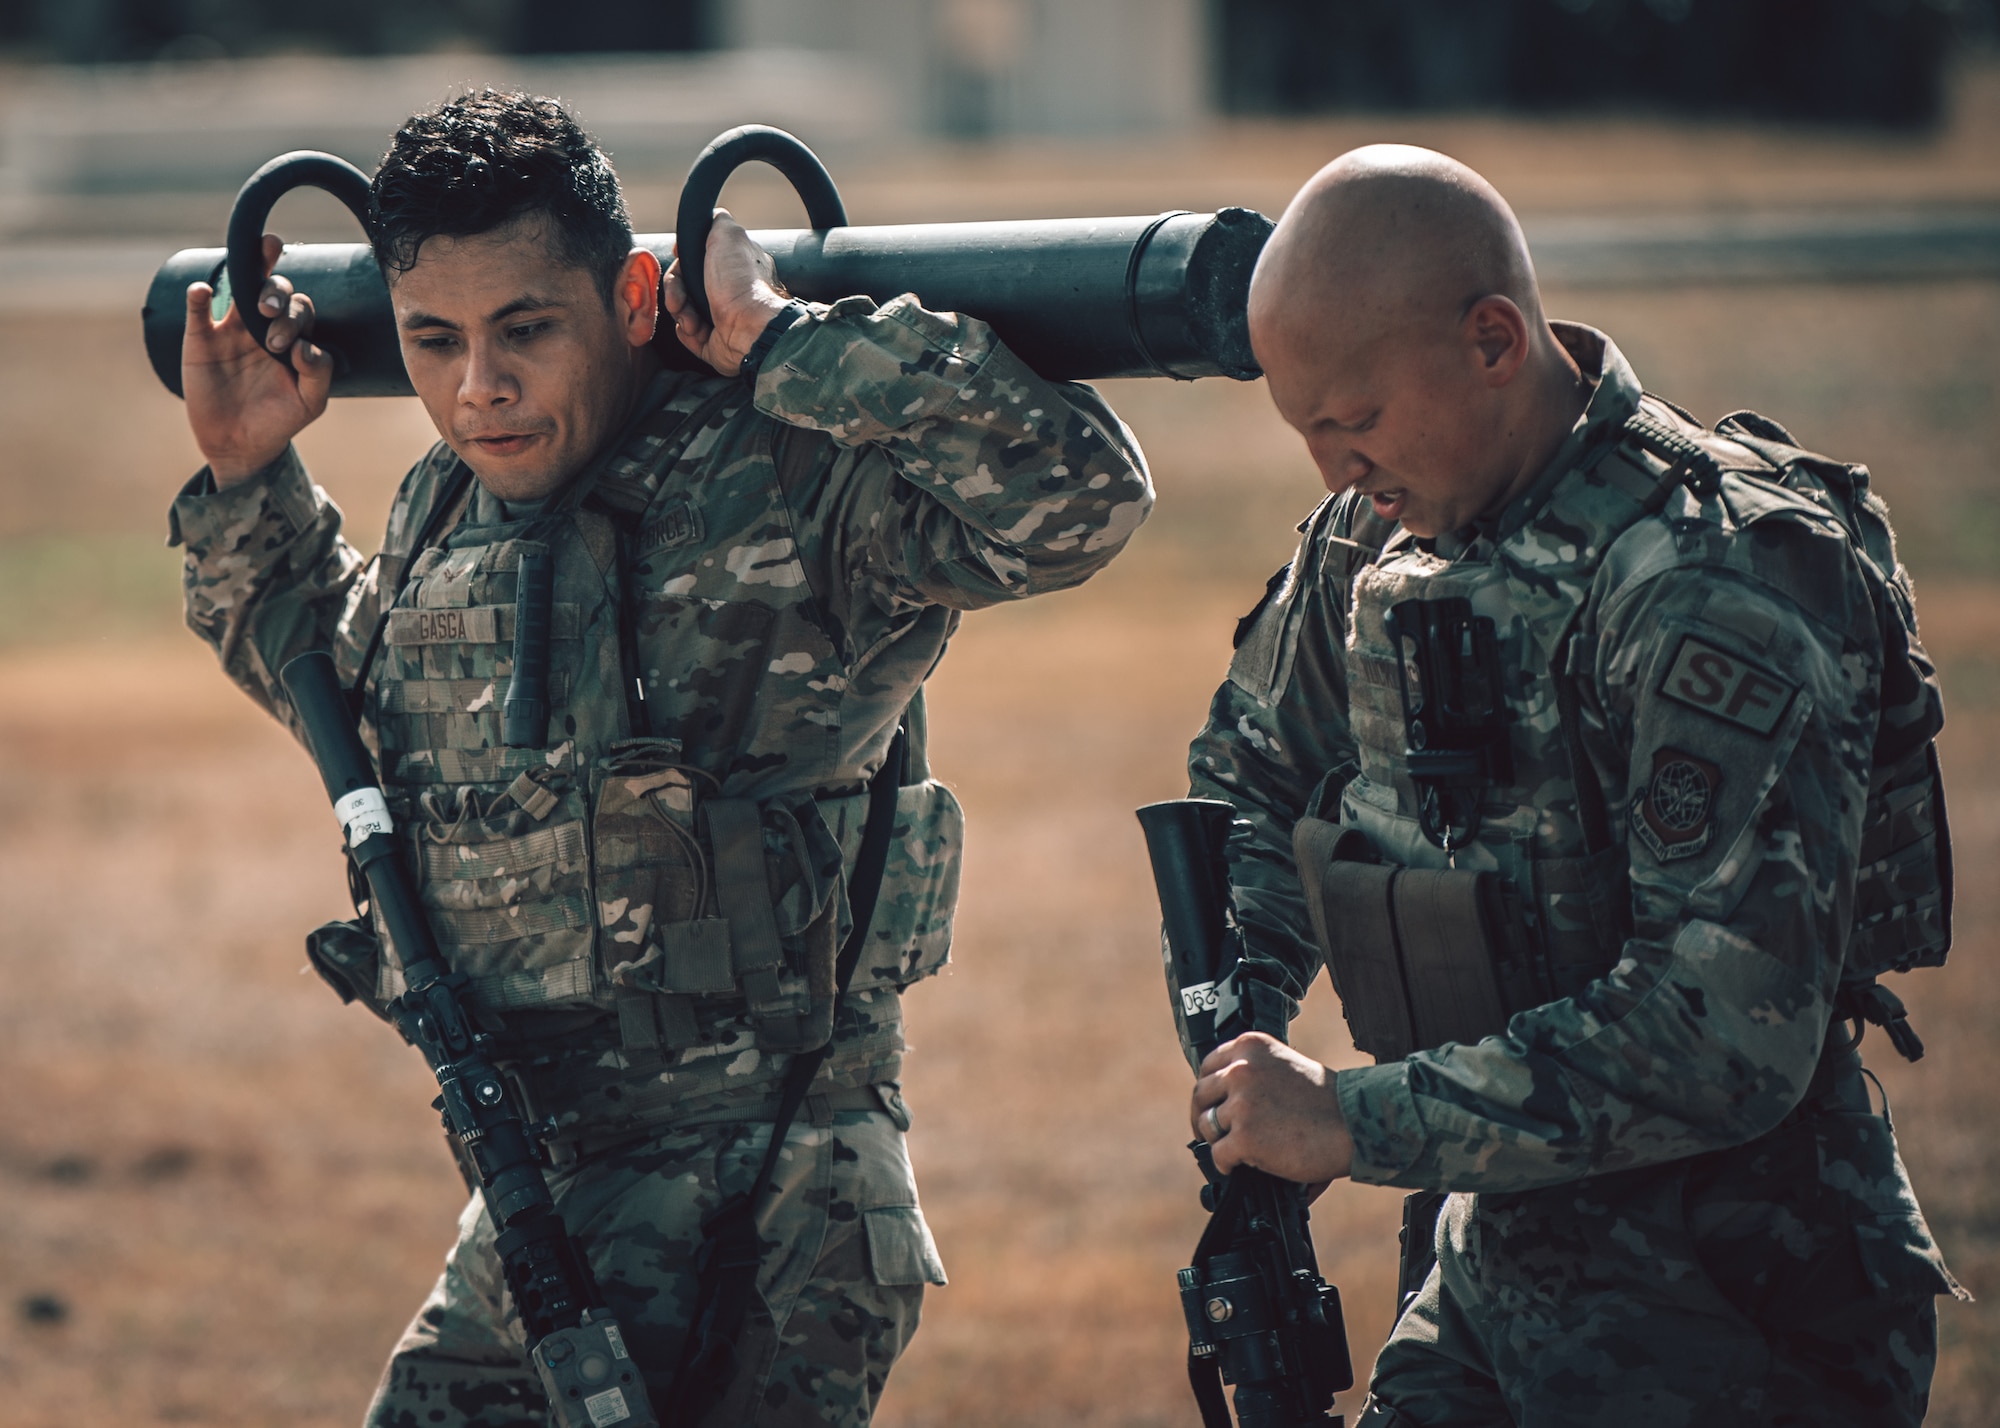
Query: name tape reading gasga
pixel 472 624
pixel 1731 689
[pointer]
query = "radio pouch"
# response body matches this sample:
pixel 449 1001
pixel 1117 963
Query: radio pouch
pixel 1418 956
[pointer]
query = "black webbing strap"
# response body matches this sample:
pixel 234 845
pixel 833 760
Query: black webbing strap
pixel 1418 1240
pixel 1205 1378
pixel 448 505
pixel 1689 466
pixel 726 1264
pixel 1592 812
pixel 454 493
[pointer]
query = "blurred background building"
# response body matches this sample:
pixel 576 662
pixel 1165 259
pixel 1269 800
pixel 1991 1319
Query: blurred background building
pixel 123 118
pixel 110 107
pixel 1845 61
pixel 1026 66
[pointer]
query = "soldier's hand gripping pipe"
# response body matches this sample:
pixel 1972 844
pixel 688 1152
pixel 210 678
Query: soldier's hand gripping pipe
pixel 578 1351
pixel 1259 1316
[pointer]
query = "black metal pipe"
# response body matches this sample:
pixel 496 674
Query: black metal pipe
pixel 1159 295
pixel 351 313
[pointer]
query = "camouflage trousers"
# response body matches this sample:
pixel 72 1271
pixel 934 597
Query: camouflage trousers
pixel 1785 1283
pixel 846 1260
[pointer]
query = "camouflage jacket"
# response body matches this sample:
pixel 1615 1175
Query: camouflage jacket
pixel 1734 807
pixel 791 559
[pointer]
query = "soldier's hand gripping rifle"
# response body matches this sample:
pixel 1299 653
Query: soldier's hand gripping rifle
pixel 1259 1316
pixel 590 1379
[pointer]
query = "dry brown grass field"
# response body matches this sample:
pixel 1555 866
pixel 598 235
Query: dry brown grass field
pixel 224 1193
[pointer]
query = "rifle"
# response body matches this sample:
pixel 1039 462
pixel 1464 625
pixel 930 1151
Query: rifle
pixel 1258 1314
pixel 575 1343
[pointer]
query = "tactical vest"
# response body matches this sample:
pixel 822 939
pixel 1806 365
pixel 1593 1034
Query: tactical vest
pixel 683 873
pixel 1497 848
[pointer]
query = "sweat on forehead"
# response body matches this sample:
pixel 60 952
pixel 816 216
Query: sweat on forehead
pixel 1386 236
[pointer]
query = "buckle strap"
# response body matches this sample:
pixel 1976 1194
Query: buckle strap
pixel 1870 1003
pixel 743 894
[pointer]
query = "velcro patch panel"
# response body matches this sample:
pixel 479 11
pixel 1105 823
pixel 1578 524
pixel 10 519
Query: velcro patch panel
pixel 1727 687
pixel 459 696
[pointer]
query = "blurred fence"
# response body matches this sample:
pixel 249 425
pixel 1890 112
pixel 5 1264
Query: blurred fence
pixel 106 148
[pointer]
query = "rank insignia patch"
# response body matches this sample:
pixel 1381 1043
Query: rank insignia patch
pixel 1674 814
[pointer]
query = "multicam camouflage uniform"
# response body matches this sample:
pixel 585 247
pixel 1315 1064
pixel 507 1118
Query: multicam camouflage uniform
pixel 648 908
pixel 1676 1203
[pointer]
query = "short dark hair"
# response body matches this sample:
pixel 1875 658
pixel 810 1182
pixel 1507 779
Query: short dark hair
pixel 480 161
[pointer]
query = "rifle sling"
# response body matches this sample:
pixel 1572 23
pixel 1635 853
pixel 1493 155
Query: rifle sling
pixel 452 505
pixel 1205 1378
pixel 726 1264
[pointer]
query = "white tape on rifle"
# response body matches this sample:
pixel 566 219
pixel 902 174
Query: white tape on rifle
pixel 1199 998
pixel 363 813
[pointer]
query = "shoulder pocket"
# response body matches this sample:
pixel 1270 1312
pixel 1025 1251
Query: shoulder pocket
pixel 1268 637
pixel 1341 536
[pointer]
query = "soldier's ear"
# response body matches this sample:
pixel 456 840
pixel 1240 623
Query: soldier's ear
pixel 635 297
pixel 1496 330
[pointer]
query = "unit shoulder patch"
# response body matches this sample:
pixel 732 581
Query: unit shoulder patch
pixel 1674 813
pixel 1727 687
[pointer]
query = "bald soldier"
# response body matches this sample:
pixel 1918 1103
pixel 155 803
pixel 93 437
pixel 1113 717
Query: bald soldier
pixel 1590 749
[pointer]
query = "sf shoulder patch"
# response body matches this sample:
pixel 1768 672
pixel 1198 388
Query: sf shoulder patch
pixel 1674 814
pixel 1732 689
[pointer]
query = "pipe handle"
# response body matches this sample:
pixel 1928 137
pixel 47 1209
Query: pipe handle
pixel 729 152
pixel 302 168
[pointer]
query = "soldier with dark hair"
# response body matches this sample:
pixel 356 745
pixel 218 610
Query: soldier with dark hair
pixel 751 573
pixel 1591 750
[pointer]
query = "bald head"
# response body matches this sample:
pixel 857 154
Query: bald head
pixel 1391 235
pixel 1397 291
